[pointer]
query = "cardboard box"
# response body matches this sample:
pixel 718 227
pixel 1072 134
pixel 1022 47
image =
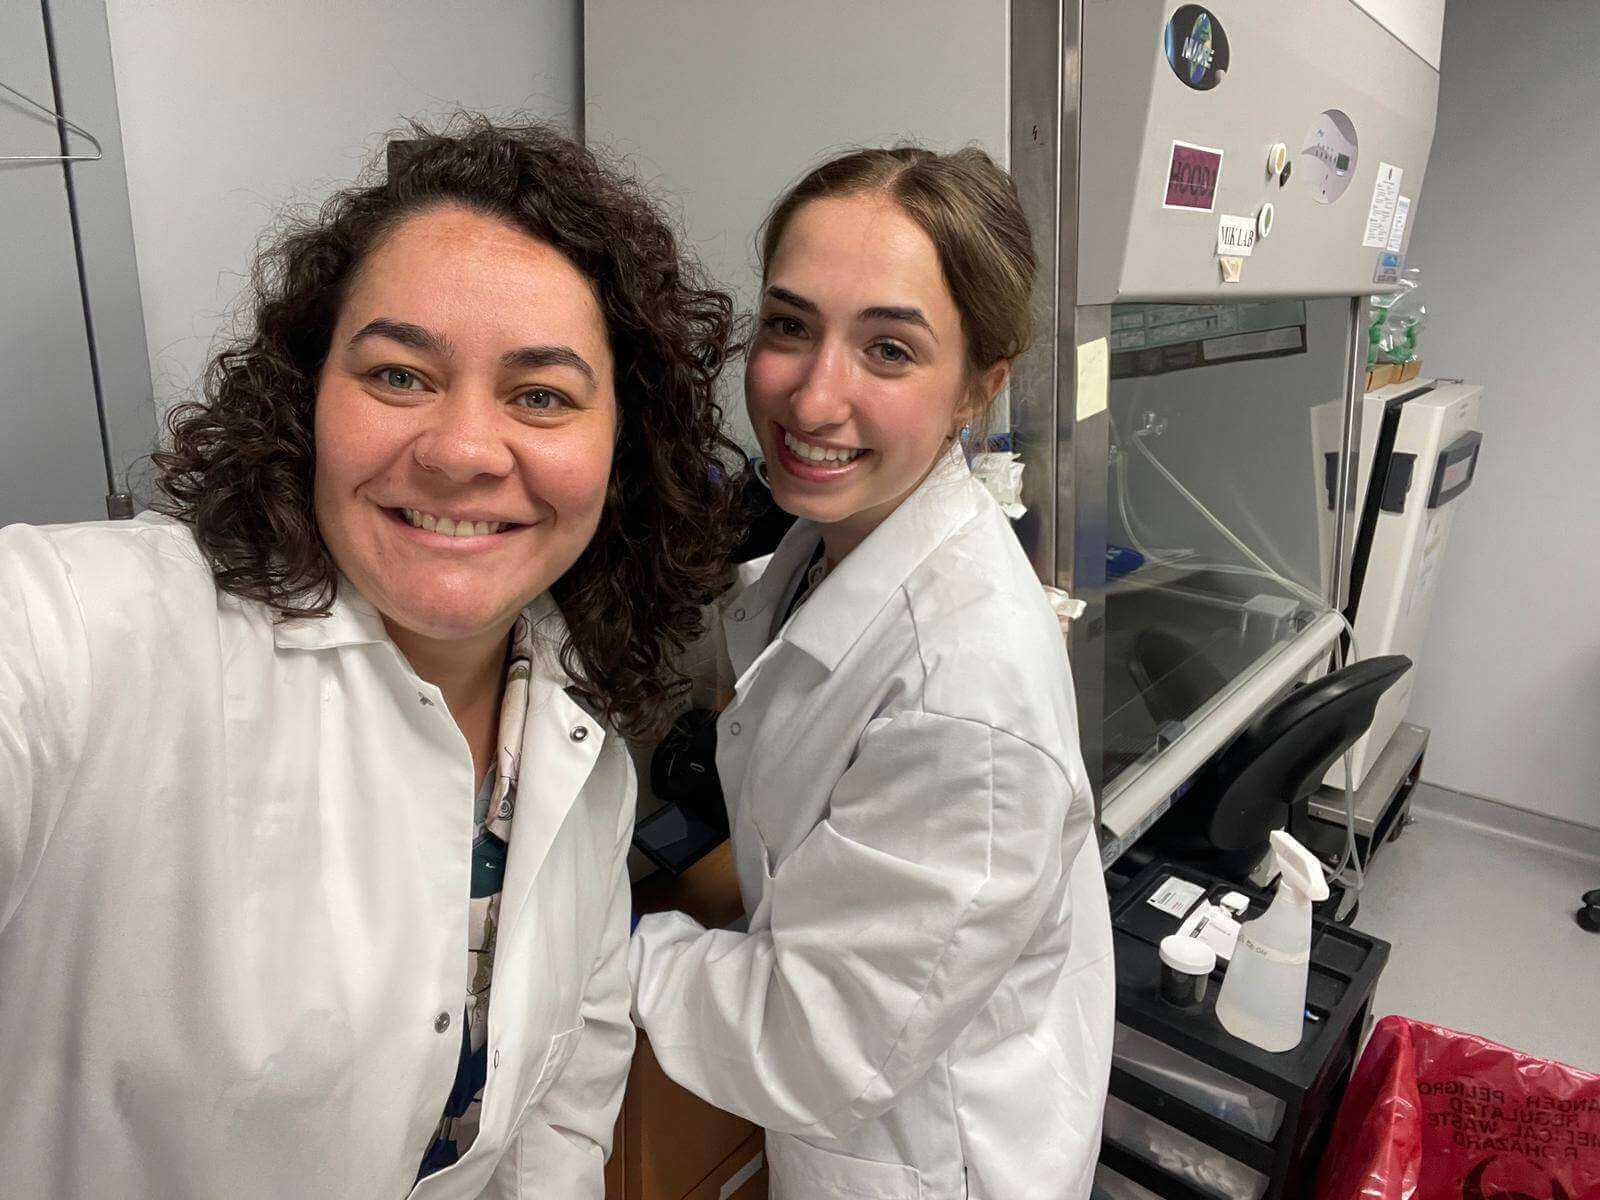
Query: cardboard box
pixel 670 1144
pixel 741 1176
pixel 1383 374
pixel 672 1140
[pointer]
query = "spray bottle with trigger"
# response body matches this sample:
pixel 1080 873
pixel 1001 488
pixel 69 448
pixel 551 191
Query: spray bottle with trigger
pixel 1263 996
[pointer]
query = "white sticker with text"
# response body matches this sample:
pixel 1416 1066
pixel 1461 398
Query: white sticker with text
pixel 1385 194
pixel 1236 235
pixel 1175 896
pixel 1402 209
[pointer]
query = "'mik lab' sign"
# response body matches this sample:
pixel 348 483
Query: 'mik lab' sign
pixel 1236 236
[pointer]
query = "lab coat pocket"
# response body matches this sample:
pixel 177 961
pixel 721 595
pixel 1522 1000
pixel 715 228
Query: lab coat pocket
pixel 561 1048
pixel 801 1171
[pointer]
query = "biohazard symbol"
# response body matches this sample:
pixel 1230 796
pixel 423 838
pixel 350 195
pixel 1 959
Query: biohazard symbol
pixel 1472 1187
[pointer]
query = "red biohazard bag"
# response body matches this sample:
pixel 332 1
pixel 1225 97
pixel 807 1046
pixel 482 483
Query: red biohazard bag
pixel 1432 1114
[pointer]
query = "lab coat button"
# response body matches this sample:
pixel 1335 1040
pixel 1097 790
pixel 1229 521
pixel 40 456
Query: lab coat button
pixel 426 703
pixel 579 733
pixel 734 729
pixel 497 1058
pixel 738 614
pixel 441 1022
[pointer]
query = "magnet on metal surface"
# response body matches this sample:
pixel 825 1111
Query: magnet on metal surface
pixel 1232 267
pixel 1264 219
pixel 1277 159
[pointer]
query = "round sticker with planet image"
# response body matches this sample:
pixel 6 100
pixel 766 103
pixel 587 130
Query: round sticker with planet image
pixel 1197 47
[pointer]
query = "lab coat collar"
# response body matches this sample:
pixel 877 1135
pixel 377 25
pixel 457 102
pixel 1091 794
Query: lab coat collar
pixel 353 621
pixel 835 616
pixel 747 624
pixel 561 739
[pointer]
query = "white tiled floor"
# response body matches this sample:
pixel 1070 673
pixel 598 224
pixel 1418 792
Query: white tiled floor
pixel 1483 935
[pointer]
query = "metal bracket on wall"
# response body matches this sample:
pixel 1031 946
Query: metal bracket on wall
pixel 62 121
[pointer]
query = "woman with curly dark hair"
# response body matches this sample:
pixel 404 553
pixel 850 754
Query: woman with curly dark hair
pixel 292 771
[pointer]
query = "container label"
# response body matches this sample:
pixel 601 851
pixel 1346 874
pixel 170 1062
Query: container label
pixel 1212 925
pixel 1175 896
pixel 1402 210
pixel 1385 196
pixel 1273 955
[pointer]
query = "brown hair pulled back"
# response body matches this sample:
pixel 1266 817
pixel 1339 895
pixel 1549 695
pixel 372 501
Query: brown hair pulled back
pixel 968 207
pixel 240 466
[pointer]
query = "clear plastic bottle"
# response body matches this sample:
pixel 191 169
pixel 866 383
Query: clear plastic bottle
pixel 1263 998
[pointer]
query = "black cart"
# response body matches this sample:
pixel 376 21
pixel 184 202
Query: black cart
pixel 1197 1114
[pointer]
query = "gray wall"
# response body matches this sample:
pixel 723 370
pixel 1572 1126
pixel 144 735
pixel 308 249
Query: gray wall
pixel 234 109
pixel 47 408
pixel 57 446
pixel 1506 237
pixel 723 122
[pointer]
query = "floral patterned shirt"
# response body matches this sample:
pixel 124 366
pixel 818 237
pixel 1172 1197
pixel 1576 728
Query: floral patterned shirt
pixel 494 806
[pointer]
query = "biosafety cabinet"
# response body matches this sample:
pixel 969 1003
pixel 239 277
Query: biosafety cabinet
pixel 1214 191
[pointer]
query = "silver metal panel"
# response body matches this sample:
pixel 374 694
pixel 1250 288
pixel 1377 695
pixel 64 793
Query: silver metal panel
pixel 1347 497
pixel 1283 73
pixel 1064 487
pixel 725 103
pixel 51 463
pixel 1065 456
pixel 105 230
pixel 1037 118
pixel 1083 463
pixel 1371 799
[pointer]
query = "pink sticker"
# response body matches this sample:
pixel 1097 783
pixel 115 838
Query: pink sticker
pixel 1192 177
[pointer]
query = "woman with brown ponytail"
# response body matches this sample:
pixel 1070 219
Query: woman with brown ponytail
pixel 921 1007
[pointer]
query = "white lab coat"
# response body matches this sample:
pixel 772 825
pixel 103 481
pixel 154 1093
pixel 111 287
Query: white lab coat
pixel 923 1004
pixel 234 877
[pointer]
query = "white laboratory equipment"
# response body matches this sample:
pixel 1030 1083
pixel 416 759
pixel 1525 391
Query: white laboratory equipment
pixel 1423 457
pixel 1214 191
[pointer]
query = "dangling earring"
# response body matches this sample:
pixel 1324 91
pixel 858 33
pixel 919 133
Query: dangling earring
pixel 966 434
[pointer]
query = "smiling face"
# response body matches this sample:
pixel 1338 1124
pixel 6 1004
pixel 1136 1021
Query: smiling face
pixel 858 376
pixel 465 420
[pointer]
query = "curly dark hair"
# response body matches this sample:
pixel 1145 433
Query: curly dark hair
pixel 241 461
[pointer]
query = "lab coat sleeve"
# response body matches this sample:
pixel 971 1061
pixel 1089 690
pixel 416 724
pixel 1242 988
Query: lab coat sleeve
pixel 891 925
pixel 44 700
pixel 565 1138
